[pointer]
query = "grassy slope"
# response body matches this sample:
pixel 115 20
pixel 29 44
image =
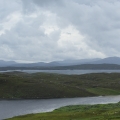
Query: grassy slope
pixel 80 112
pixel 42 85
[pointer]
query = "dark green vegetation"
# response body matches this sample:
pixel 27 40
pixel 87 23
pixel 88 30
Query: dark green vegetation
pixel 18 85
pixel 78 112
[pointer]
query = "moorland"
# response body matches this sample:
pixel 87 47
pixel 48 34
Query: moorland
pixel 19 85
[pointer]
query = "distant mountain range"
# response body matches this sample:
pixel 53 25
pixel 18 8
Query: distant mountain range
pixel 108 60
pixel 7 63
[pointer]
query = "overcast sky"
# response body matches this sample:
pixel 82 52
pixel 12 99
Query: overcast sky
pixel 49 30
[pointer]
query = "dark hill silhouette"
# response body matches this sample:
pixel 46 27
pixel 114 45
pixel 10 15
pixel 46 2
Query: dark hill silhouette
pixel 109 60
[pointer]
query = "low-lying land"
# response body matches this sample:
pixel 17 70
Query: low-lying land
pixel 78 112
pixel 70 67
pixel 18 85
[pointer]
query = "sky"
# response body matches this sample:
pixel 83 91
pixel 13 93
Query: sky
pixel 52 30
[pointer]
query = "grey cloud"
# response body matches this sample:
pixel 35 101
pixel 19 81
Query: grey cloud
pixel 99 22
pixel 26 41
pixel 7 7
pixel 37 33
pixel 49 2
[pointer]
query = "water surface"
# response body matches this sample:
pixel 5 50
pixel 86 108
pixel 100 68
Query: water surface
pixel 10 108
pixel 68 72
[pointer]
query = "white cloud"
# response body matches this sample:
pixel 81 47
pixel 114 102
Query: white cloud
pixel 72 44
pixel 10 21
pixel 46 30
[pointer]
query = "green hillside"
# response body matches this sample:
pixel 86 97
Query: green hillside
pixel 18 85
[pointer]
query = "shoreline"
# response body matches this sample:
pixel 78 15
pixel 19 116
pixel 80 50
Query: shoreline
pixel 42 106
pixel 76 111
pixel 59 98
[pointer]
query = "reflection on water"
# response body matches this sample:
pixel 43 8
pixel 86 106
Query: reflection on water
pixel 10 108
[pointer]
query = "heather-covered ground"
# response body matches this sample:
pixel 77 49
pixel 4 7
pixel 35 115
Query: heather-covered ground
pixel 18 85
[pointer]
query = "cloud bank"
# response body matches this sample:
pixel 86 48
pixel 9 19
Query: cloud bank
pixel 48 30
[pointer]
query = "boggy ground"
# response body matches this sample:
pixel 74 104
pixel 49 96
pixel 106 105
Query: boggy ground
pixel 18 85
pixel 78 112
